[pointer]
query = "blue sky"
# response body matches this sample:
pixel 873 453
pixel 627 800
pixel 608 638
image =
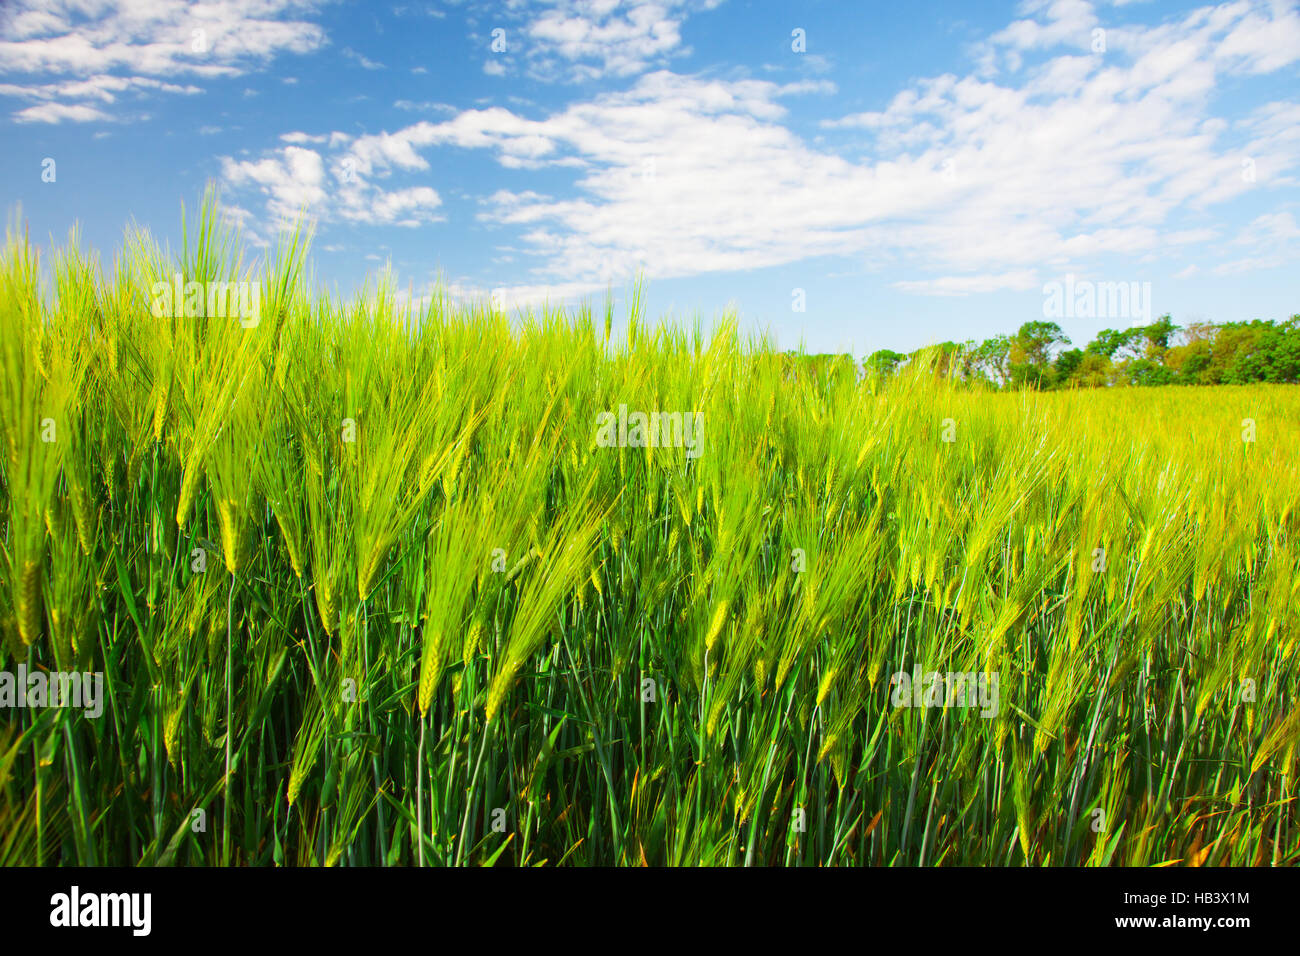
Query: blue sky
pixel 910 173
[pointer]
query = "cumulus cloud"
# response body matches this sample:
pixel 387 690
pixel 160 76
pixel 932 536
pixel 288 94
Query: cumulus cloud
pixel 590 39
pixel 295 181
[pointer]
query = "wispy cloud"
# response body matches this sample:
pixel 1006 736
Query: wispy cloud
pixel 126 47
pixel 1020 280
pixel 361 60
pixel 54 113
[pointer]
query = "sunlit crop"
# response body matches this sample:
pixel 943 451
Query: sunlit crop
pixel 364 587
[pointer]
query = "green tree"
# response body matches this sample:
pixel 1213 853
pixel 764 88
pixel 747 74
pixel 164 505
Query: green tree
pixel 1067 363
pixel 992 358
pixel 883 362
pixel 1031 353
pixel 1109 341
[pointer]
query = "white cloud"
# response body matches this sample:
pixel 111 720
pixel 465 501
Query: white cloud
pixel 1063 22
pixel 1270 240
pixel 402 207
pixel 303 139
pixel 1020 281
pixel 1262 44
pixel 363 61
pixel 58 113
pixel 101 87
pixel 294 181
pixel 424 106
pixel 590 39
pixel 128 45
pixel 524 297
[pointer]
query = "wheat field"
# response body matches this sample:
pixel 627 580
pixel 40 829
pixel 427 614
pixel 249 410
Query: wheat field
pixel 364 587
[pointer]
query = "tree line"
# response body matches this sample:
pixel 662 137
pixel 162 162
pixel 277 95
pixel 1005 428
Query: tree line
pixel 1039 356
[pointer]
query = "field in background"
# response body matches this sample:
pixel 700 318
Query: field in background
pixel 364 586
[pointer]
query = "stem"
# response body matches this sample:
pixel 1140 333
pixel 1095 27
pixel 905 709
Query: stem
pixel 230 694
pixel 419 794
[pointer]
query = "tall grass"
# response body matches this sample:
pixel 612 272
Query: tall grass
pixel 365 589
